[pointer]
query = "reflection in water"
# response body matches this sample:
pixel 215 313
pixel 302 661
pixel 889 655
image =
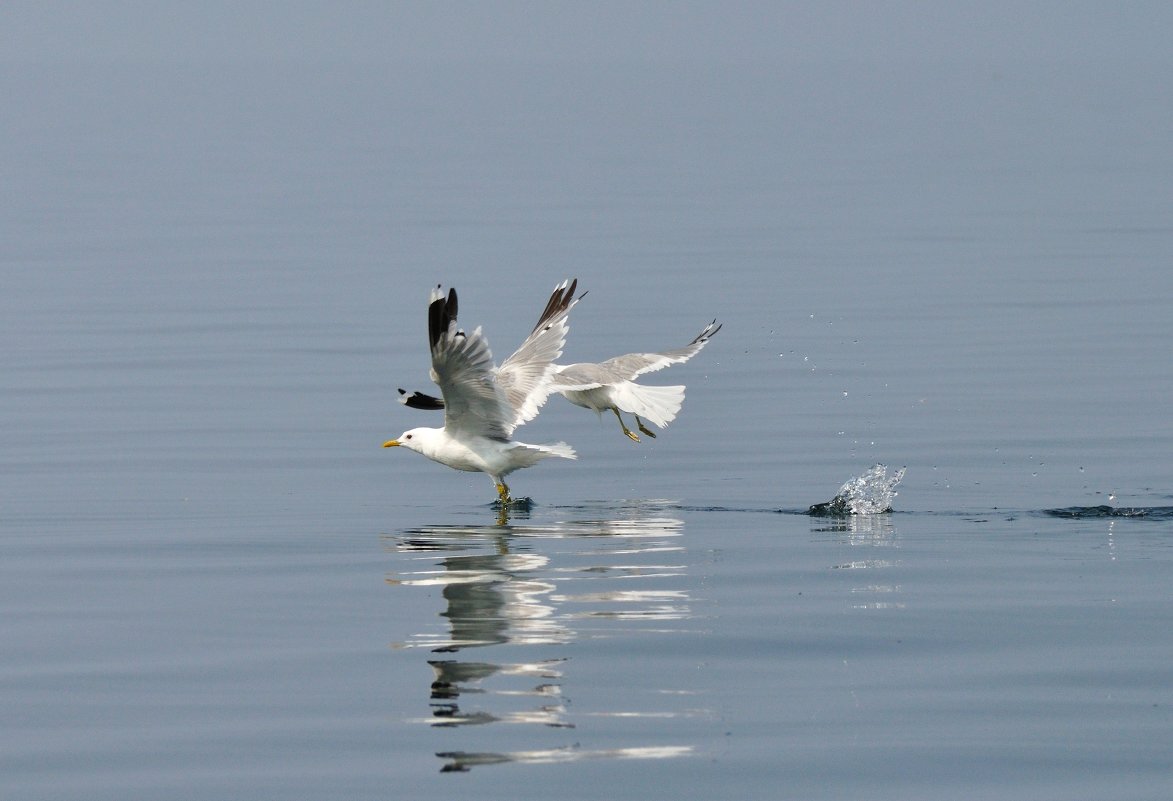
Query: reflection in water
pixel 491 598
pixel 463 761
pixel 870 538
pixel 454 679
pixel 600 573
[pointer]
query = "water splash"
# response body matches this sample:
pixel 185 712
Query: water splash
pixel 868 494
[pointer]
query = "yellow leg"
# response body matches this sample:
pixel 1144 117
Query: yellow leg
pixel 644 428
pixel 622 425
pixel 503 494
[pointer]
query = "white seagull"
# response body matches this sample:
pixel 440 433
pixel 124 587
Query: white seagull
pixel 610 386
pixel 484 403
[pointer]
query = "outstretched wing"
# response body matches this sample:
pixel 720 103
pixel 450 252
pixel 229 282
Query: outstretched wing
pixel 525 376
pixel 462 366
pixel 629 366
pixel 585 375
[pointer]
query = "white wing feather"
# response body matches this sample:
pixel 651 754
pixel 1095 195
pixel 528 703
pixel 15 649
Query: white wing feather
pixel 627 367
pixel 480 398
pixel 526 375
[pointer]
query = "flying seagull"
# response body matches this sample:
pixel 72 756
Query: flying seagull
pixel 484 403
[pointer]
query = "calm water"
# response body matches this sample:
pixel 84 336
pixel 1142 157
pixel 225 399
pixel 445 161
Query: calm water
pixel 214 583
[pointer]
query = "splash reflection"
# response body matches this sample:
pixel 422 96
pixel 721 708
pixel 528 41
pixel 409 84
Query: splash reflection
pixel 870 541
pixel 545 585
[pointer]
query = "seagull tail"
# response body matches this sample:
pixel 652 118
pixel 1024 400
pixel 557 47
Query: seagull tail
pixel 560 449
pixel 658 405
pixel 536 453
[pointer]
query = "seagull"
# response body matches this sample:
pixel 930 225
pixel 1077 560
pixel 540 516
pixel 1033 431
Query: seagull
pixel 610 386
pixel 484 403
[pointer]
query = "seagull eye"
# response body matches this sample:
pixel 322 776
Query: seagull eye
pixel 408 436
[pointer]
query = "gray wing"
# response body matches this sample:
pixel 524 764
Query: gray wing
pixel 631 365
pixel 525 376
pixel 462 366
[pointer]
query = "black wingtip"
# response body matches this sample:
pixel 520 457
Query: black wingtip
pixel 560 300
pixel 441 314
pixel 419 400
pixel 710 329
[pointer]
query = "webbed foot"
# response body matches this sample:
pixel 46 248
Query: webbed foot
pixel 503 494
pixel 631 436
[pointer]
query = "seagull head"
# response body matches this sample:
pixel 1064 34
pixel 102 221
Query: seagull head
pixel 413 440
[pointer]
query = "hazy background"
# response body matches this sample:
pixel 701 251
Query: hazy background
pixel 989 33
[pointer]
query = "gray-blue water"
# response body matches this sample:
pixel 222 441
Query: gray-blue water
pixel 215 584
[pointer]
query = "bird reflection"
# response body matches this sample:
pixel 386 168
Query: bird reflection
pixel 453 678
pixel 492 596
pixel 464 761
pixel 500 587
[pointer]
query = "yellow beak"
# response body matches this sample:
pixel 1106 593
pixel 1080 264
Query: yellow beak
pixel 391 443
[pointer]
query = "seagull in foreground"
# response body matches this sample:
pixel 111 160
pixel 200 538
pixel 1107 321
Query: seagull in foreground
pixel 484 403
pixel 610 386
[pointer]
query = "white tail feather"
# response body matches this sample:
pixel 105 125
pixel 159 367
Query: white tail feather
pixel 559 449
pixel 658 405
pixel 532 454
